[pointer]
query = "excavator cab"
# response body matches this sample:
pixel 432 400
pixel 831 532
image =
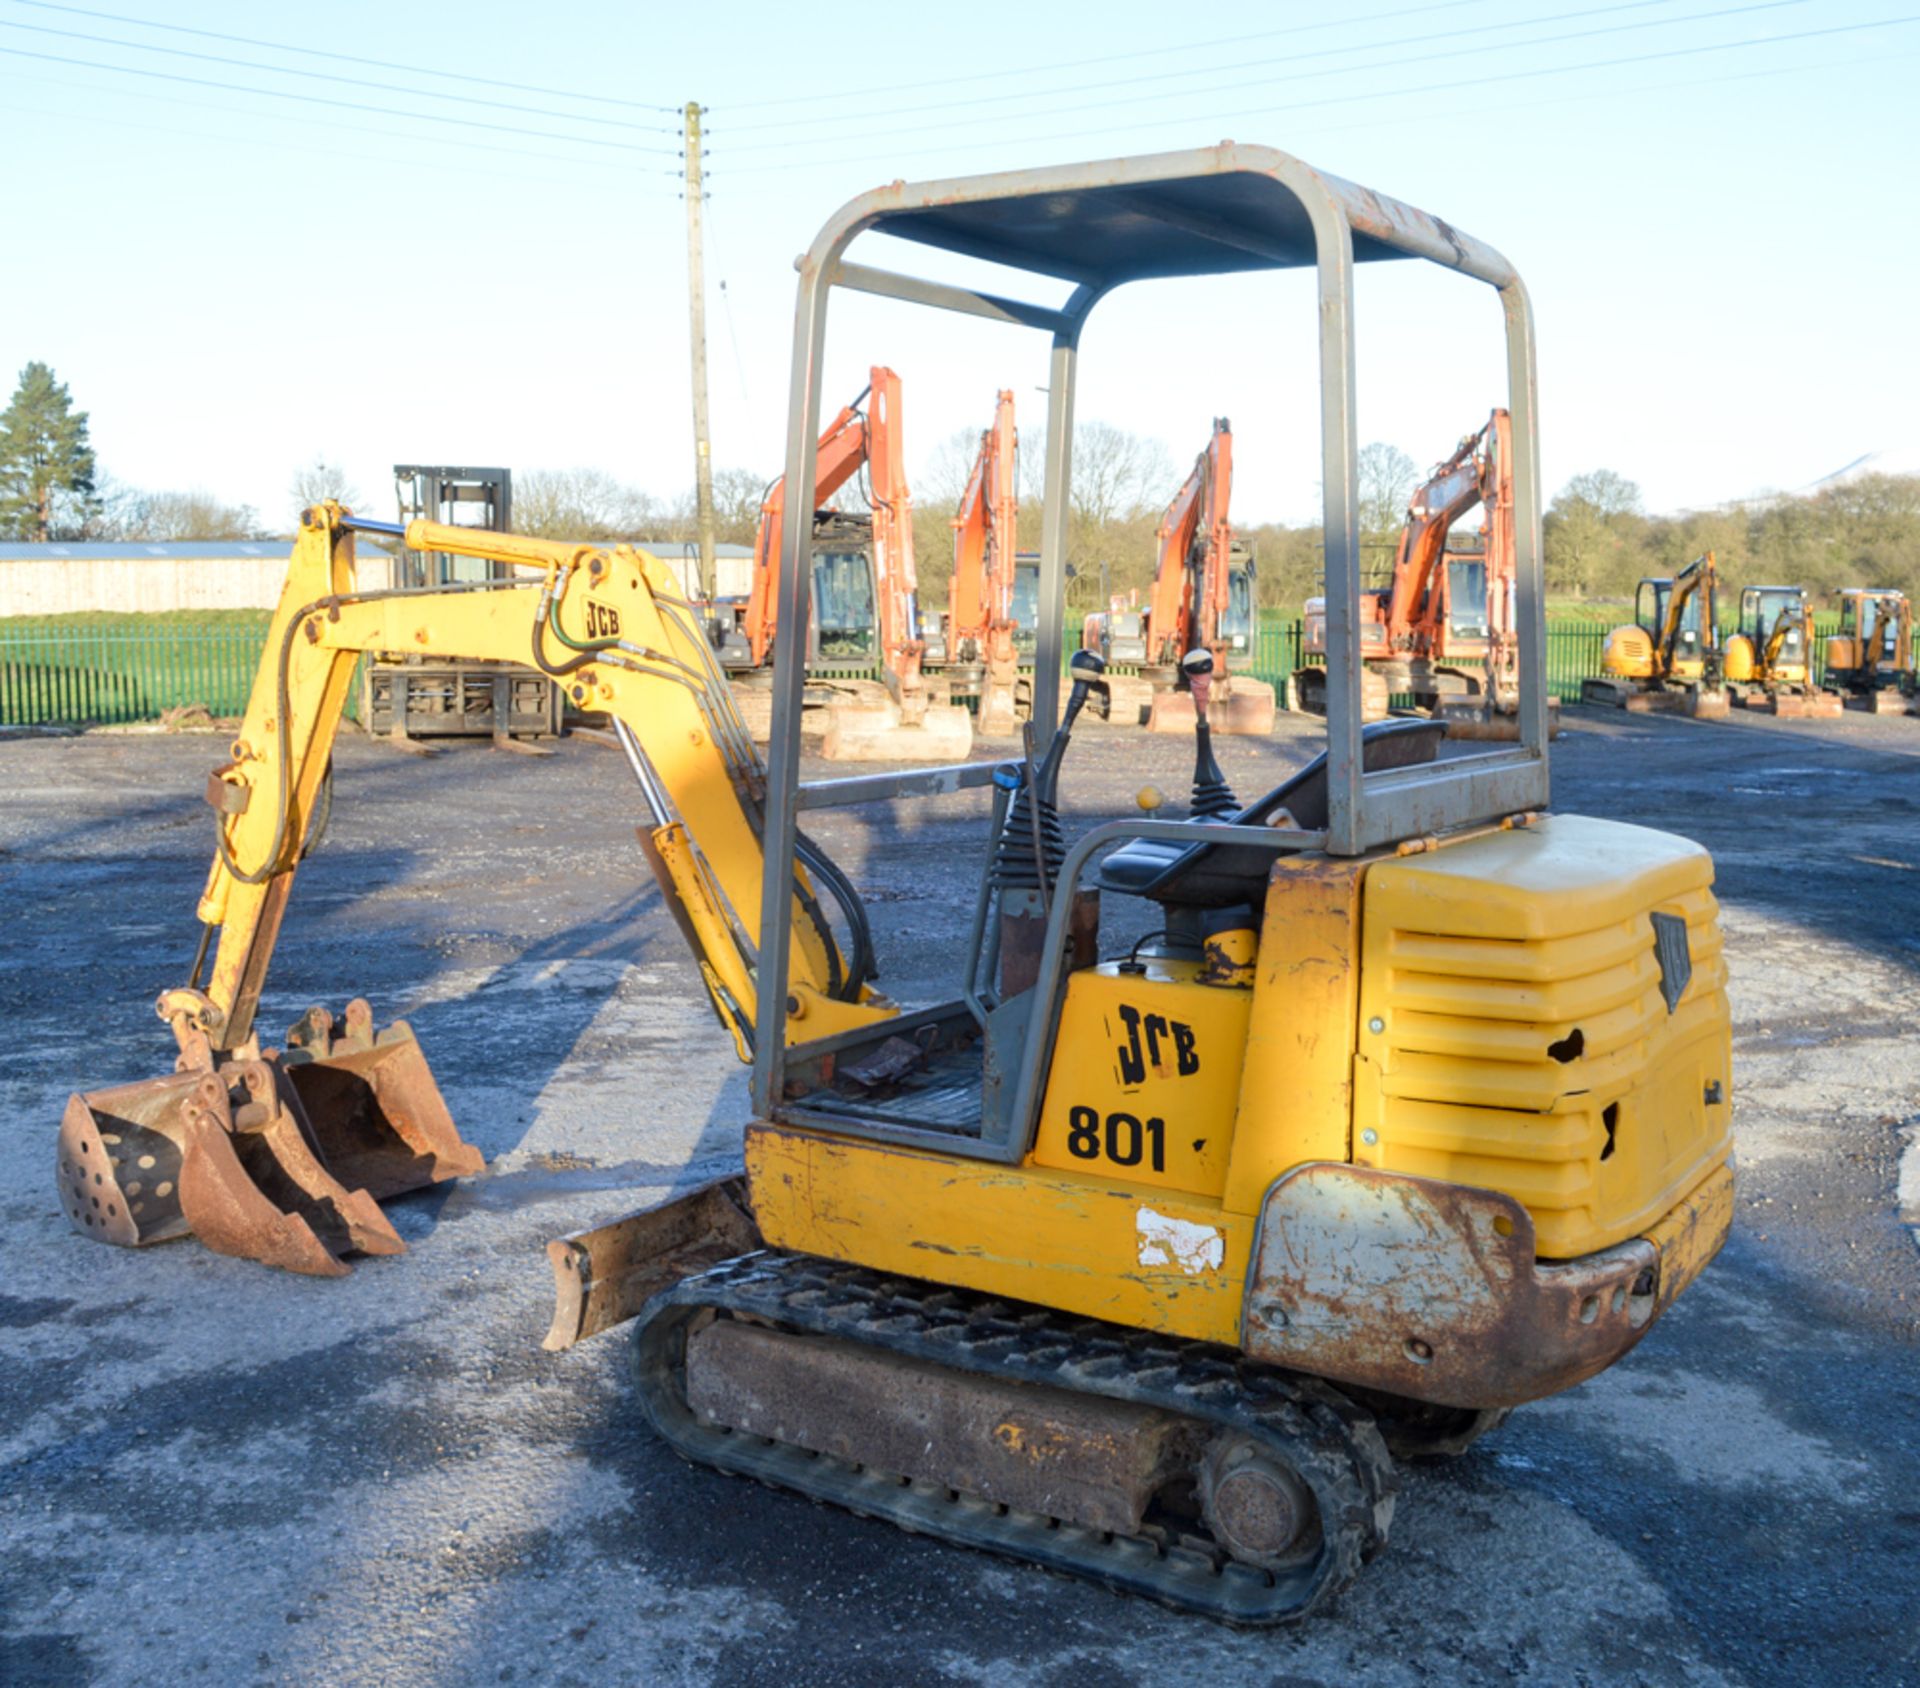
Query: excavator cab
pixel 844 601
pixel 1239 621
pixel 1464 617
pixel 1137 1259
pixel 1650 602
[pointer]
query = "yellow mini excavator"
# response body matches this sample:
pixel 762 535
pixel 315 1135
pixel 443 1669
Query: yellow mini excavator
pixel 1668 656
pixel 1138 1261
pixel 1769 660
pixel 1870 659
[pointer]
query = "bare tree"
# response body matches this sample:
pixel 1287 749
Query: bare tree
pixel 1387 478
pixel 585 504
pixel 195 514
pixel 320 481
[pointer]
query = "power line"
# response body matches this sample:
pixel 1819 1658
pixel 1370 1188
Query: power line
pixel 1372 64
pixel 1349 99
pixel 339 105
pixel 489 102
pixel 1207 70
pixel 475 168
pixel 347 58
pixel 1003 74
pixel 459 142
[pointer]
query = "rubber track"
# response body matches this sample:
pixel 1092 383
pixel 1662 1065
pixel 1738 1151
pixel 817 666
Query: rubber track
pixel 1328 1439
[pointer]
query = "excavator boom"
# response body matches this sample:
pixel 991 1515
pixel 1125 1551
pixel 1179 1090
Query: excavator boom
pixel 1195 537
pixel 280 1157
pixel 980 618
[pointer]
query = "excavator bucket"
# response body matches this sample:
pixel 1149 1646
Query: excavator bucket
pixel 268 1158
pixel 374 1108
pixel 1246 710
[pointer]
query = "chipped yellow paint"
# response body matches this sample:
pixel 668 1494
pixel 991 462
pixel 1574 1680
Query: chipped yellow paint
pixel 1062 1238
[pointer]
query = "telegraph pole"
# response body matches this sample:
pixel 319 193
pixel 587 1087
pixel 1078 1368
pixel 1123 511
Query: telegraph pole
pixel 697 301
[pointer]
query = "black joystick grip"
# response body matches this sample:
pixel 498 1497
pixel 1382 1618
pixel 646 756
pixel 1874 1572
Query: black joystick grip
pixel 1212 797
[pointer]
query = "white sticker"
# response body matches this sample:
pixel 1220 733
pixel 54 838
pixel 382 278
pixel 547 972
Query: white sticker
pixel 1166 1241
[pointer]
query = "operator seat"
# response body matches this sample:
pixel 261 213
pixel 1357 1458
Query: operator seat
pixel 1218 876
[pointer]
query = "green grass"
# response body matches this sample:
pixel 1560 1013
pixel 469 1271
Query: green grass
pixel 137 621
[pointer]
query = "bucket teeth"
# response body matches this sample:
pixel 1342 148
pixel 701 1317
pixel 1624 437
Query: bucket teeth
pixel 281 1160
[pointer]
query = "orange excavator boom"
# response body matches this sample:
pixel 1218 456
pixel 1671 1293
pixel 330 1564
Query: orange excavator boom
pixel 1190 587
pixel 980 620
pixel 1478 472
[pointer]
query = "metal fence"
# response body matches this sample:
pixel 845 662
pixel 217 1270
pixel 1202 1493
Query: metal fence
pixel 66 675
pixel 1573 653
pixel 62 675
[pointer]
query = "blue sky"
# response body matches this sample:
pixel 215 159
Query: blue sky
pixel 1712 204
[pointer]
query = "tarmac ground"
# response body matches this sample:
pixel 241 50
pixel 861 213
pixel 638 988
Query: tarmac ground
pixel 213 1471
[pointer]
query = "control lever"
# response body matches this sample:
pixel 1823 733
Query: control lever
pixel 1212 798
pixel 1031 848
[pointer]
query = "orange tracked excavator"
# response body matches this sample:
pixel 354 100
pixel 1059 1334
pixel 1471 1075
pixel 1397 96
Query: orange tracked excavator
pixel 981 627
pixel 1202 599
pixel 1443 630
pixel 863 592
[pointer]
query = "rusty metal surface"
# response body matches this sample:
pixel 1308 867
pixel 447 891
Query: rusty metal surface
pixel 1083 1459
pixel 376 1113
pixel 1433 1291
pixel 603 1276
pixel 280 1161
pixel 1023 940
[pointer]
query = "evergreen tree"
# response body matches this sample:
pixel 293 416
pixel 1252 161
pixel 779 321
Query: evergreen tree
pixel 43 454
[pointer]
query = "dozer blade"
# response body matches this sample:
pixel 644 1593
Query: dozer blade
pixel 1473 718
pixel 260 1158
pixel 604 1276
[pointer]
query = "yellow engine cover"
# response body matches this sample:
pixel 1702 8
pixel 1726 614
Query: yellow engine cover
pixel 1543 1012
pixel 1737 661
pixel 1628 654
pixel 1841 653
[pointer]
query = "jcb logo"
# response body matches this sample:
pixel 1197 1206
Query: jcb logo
pixel 1147 1038
pixel 603 620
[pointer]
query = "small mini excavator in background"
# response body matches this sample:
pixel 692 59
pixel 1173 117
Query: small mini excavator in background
pixel 1870 661
pixel 1139 1261
pixel 1668 657
pixel 1769 659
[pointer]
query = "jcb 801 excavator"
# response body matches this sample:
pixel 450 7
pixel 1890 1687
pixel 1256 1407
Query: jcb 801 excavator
pixel 982 658
pixel 1203 599
pixel 1137 1261
pixel 1870 659
pixel 1769 660
pixel 1668 657
pixel 1443 629
pixel 862 602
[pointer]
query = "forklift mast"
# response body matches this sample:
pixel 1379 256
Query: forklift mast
pixel 407 697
